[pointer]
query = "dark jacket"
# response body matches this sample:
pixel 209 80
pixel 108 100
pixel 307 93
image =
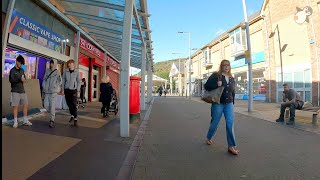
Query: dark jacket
pixel 229 88
pixel 15 80
pixel 105 92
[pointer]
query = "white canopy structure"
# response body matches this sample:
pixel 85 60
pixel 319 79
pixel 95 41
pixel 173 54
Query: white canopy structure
pixel 156 78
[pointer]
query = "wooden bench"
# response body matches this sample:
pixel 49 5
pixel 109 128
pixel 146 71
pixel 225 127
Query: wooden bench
pixel 313 111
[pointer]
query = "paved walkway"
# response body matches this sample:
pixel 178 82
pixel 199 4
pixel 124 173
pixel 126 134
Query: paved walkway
pixel 92 151
pixel 174 148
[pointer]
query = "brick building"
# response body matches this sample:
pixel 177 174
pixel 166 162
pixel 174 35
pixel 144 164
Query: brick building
pixel 278 25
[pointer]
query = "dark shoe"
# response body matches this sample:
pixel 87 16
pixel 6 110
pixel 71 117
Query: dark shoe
pixel 51 124
pixel 75 122
pixel 290 123
pixel 280 120
pixel 71 119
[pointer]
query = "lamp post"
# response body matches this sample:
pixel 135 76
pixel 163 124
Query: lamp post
pixel 189 35
pixel 248 55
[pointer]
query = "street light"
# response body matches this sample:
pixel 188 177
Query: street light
pixel 189 34
pixel 248 55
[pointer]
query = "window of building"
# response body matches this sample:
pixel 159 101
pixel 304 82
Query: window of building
pixel 237 42
pixel 300 81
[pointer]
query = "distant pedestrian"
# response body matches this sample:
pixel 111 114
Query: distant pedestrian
pixel 51 87
pixel 71 86
pixel 106 91
pixel 17 79
pixel 292 100
pixel 83 90
pixel 165 92
pixel 223 78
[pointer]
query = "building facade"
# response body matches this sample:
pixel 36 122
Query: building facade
pixel 285 46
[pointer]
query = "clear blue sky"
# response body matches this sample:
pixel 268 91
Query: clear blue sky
pixel 205 19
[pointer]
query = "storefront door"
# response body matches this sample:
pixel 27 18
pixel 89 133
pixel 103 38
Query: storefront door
pixel 95 85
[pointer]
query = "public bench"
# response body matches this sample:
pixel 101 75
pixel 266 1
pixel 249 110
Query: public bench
pixel 309 111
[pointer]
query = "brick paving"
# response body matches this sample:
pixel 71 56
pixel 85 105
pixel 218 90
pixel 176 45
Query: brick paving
pixel 174 148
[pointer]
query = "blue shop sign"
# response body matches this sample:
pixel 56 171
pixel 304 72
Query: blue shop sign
pixel 28 29
pixel 256 58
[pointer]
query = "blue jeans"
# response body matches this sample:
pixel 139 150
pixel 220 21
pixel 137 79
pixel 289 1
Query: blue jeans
pixel 216 113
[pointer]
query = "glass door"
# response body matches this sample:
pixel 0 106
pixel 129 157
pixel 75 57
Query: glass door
pixel 95 85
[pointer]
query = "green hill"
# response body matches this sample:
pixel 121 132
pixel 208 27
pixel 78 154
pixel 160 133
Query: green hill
pixel 162 69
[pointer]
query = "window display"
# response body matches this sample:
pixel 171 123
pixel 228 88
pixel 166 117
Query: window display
pixel 29 67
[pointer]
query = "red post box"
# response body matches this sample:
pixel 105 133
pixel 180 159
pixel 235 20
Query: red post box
pixel 134 96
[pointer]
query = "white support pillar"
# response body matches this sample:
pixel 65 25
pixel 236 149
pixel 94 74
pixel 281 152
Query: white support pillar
pixel 76 52
pixel 143 79
pixel 5 31
pixel 104 71
pixel 149 81
pixel 125 68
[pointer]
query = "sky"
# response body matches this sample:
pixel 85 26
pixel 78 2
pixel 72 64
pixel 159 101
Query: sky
pixel 205 19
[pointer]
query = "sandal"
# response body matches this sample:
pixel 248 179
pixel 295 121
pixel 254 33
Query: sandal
pixel 209 142
pixel 233 150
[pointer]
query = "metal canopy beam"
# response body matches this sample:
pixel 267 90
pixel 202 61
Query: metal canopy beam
pixel 106 37
pixel 103 5
pixel 55 10
pixel 82 24
pixel 119 43
pixel 136 16
pixel 96 18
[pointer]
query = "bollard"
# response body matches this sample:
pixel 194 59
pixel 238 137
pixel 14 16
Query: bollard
pixel 314 120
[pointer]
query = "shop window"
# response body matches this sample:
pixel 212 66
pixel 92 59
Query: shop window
pixel 241 83
pixel 307 96
pixel 307 78
pixel 29 67
pixel 298 79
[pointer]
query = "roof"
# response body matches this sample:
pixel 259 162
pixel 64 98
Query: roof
pixel 181 66
pixel 103 21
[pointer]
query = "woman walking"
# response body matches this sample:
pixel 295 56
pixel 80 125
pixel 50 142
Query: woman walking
pixel 105 95
pixel 218 79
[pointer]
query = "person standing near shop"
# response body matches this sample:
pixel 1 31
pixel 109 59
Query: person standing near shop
pixel 83 91
pixel 17 79
pixel 71 84
pixel 106 90
pixel 51 86
pixel 223 78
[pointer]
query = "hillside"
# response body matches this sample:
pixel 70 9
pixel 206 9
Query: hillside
pixel 162 69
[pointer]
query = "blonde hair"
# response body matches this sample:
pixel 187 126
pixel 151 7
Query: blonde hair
pixel 221 67
pixel 105 79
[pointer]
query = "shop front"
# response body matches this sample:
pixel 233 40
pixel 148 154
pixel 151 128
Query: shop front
pixel 38 45
pixel 240 75
pixel 113 71
pixel 90 68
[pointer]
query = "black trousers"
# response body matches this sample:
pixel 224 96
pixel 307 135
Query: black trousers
pixel 71 98
pixel 293 107
pixel 105 107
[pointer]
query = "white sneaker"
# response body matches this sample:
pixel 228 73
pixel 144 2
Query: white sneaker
pixel 27 123
pixel 15 124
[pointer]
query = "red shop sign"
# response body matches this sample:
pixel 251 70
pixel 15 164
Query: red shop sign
pixel 90 48
pixel 112 62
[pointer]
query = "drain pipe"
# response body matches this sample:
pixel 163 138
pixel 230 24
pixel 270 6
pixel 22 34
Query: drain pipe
pixel 267 40
pixel 317 57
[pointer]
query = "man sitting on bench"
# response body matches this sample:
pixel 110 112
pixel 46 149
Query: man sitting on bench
pixel 292 100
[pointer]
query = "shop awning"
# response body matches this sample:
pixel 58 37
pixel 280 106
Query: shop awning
pixel 103 21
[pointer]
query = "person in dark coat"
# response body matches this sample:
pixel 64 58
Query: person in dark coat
pixel 83 90
pixel 105 95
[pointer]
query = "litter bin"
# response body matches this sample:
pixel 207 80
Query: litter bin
pixel 134 96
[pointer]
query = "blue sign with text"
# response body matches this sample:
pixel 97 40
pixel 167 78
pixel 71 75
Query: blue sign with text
pixel 28 29
pixel 256 58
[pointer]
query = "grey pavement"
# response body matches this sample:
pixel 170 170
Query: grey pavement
pixel 174 147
